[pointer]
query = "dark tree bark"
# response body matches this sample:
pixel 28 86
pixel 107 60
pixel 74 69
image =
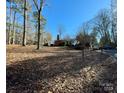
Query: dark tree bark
pixel 24 32
pixel 39 9
pixel 38 43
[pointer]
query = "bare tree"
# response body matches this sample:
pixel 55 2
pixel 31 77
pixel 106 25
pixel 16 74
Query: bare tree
pixel 60 31
pixel 24 29
pixel 114 20
pixel 10 20
pixel 102 25
pixel 83 38
pixel 93 37
pixel 13 34
pixel 26 10
pixel 14 9
pixel 83 34
pixel 67 37
pixel 39 9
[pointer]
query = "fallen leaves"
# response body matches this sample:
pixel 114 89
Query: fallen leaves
pixel 56 70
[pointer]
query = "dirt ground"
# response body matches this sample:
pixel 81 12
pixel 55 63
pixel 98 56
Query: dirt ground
pixel 59 70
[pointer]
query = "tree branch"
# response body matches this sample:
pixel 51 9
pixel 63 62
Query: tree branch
pixel 41 4
pixel 35 4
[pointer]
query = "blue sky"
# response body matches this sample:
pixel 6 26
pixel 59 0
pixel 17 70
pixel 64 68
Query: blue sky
pixel 70 14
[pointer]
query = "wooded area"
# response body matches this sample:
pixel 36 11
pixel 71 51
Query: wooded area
pixel 31 29
pixel 84 63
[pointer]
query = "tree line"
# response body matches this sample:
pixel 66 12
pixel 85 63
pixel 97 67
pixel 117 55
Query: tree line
pixel 101 30
pixel 25 25
pixel 25 22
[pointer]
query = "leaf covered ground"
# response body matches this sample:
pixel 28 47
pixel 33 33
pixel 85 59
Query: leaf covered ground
pixel 59 70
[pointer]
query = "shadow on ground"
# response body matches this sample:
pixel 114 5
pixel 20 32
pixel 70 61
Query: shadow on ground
pixel 26 74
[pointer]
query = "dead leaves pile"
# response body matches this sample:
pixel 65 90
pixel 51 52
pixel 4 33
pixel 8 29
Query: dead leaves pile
pixel 53 71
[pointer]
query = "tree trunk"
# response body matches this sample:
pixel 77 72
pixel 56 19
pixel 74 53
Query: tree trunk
pixel 114 32
pixel 83 58
pixel 13 37
pixel 24 32
pixel 38 43
pixel 9 41
pixel 9 35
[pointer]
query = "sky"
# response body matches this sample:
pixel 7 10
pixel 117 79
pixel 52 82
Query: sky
pixel 70 14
